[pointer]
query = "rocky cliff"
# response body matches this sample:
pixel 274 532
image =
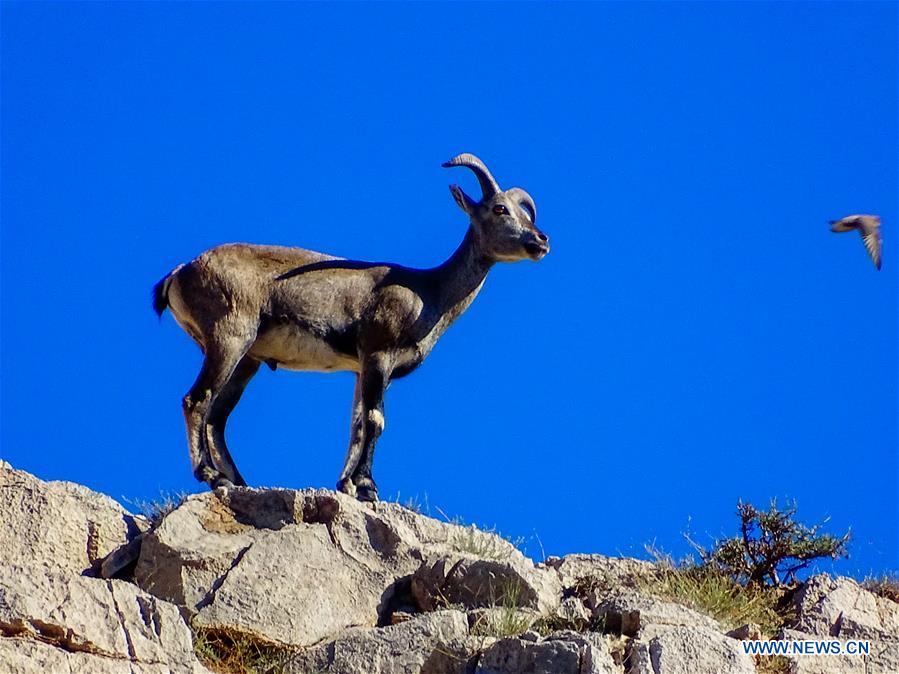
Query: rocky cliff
pixel 247 580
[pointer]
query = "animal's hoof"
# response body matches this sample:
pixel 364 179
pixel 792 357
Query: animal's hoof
pixel 347 487
pixel 207 475
pixel 367 494
pixel 221 482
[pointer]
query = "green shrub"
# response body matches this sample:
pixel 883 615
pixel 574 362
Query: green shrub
pixel 772 547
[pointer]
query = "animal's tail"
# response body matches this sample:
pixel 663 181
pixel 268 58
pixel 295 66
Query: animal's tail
pixel 161 291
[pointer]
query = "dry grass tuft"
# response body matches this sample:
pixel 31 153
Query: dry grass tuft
pixel 886 586
pixel 232 652
pixel 713 592
pixel 156 509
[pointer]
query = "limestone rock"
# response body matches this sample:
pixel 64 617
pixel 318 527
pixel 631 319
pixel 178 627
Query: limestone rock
pixel 27 656
pixel 882 659
pixel 298 567
pixel 190 550
pixel 108 618
pixel 573 613
pixel 678 649
pixel 355 588
pixel 291 567
pixel 561 653
pixel 477 583
pixel 610 571
pixel 596 651
pixel 627 611
pixel 268 593
pixel 841 607
pixel 58 524
pixel 435 643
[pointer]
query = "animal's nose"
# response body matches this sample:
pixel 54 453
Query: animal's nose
pixel 542 237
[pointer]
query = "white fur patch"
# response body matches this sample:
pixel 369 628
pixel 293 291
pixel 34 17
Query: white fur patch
pixel 375 417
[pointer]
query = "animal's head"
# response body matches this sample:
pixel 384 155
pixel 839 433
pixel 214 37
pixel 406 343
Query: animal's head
pixel 504 221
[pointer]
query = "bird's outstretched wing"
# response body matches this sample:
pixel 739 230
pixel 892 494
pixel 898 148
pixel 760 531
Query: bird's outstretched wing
pixel 869 228
pixel 873 244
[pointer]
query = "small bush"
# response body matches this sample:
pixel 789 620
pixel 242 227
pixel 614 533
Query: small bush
pixel 772 546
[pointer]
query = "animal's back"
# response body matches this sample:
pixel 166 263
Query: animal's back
pixel 231 279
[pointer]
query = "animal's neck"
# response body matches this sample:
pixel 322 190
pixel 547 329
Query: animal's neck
pixel 462 275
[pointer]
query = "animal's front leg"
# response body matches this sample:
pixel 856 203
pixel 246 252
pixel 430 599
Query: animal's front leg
pixel 357 436
pixel 375 376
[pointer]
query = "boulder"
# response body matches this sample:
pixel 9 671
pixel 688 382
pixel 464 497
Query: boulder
pixel 436 643
pixel 882 659
pixel 476 583
pixel 560 653
pixel 573 613
pixel 77 616
pixel 680 649
pixel 296 588
pixel 602 570
pixel 841 607
pixel 27 656
pixel 626 611
pixel 59 524
pixel 299 567
pixel 596 651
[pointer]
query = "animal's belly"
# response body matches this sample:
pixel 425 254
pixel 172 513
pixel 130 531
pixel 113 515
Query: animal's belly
pixel 293 348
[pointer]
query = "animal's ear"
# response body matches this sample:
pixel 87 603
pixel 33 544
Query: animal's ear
pixel 466 203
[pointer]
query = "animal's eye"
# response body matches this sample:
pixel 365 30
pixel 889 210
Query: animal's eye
pixel 500 209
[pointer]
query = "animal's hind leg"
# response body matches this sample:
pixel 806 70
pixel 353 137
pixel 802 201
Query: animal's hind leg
pixel 222 356
pixel 222 407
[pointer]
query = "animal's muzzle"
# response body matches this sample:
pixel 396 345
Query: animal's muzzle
pixel 537 245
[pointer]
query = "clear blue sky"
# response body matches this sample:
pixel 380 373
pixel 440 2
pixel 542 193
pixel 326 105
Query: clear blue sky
pixel 696 335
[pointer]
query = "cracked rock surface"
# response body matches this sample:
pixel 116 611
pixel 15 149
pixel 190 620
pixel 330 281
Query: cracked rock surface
pixel 59 521
pixel 437 643
pixel 53 618
pixel 299 567
pixel 326 584
pixel 80 615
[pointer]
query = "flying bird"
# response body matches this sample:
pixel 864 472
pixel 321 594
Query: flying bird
pixel 869 228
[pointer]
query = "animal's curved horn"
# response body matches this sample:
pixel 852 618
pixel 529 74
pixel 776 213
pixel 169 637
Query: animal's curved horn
pixel 519 196
pixel 488 183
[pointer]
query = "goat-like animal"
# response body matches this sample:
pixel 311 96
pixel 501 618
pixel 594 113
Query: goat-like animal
pixel 245 305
